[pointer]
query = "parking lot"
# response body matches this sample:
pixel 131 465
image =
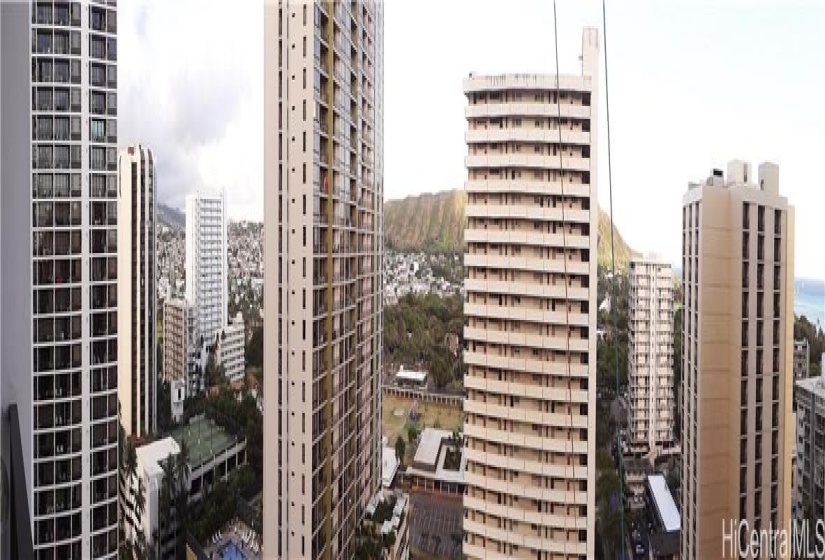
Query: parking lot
pixel 436 525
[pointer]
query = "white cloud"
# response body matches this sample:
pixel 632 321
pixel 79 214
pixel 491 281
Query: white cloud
pixel 692 85
pixel 191 88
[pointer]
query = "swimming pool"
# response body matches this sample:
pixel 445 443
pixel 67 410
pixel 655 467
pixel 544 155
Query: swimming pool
pixel 232 552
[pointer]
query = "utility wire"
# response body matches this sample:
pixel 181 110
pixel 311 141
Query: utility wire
pixel 614 301
pixel 564 248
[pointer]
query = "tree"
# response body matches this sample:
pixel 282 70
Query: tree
pixel 804 329
pixel 606 486
pixel 400 448
pixel 164 407
pixel 181 495
pixel 611 530
pixel 255 348
pixel 412 434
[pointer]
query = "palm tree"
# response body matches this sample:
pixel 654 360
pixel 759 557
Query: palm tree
pixel 140 506
pixel 163 514
pixel 181 495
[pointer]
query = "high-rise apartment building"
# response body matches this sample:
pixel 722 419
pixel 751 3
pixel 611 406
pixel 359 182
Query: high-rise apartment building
pixel 137 273
pixel 650 356
pixel 59 243
pixel 738 435
pixel 532 219
pixel 323 251
pixel 809 477
pixel 207 263
pixel 180 349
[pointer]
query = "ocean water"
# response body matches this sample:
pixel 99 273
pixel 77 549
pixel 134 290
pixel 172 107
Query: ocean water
pixel 809 300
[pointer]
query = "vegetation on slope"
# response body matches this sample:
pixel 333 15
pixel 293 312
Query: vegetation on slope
pixel 428 222
pixel 435 223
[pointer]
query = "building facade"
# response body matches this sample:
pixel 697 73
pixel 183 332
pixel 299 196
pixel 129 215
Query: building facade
pixel 801 359
pixel 137 274
pixel 650 356
pixel 737 436
pixel 809 479
pixel 230 352
pixel 323 251
pixel 530 313
pixel 207 263
pixel 181 353
pixel 59 236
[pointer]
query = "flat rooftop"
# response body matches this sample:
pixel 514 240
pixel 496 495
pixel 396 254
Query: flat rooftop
pixel 153 454
pixel 666 507
pixel 429 446
pixel 813 385
pixel 389 466
pixel 417 376
pixel 203 438
pixel 430 457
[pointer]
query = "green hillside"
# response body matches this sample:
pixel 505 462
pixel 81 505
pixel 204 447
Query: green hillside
pixel 428 222
pixel 435 223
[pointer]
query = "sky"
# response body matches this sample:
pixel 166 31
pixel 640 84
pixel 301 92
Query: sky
pixel 692 85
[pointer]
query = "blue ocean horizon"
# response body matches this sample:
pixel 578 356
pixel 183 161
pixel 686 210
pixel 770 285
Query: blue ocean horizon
pixel 809 300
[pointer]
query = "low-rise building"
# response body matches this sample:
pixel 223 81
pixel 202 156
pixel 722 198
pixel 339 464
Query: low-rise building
pixel 666 522
pixel 148 479
pixel 389 466
pixel 388 519
pixel 409 378
pixel 213 453
pixel 439 464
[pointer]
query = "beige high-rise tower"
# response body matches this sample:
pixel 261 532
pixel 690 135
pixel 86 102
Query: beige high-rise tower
pixel 137 266
pixel 650 356
pixel 323 250
pixel 532 220
pixel 737 393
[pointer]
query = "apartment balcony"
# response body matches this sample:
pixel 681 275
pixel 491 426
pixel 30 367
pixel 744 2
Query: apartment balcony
pixel 558 343
pixel 529 212
pixel 528 263
pixel 526 237
pixel 484 135
pixel 557 420
pixel 525 390
pixel 526 160
pixel 558 291
pixel 527 365
pixel 526 109
pixel 527 186
pixel 525 516
pixel 519 313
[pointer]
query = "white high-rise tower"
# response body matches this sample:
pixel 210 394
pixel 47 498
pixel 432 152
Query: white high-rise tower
pixel 207 262
pixel 650 356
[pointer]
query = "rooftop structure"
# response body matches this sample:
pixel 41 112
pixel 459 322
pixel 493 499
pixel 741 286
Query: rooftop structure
pixel 430 470
pixel 408 377
pixel 665 505
pixel 389 466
